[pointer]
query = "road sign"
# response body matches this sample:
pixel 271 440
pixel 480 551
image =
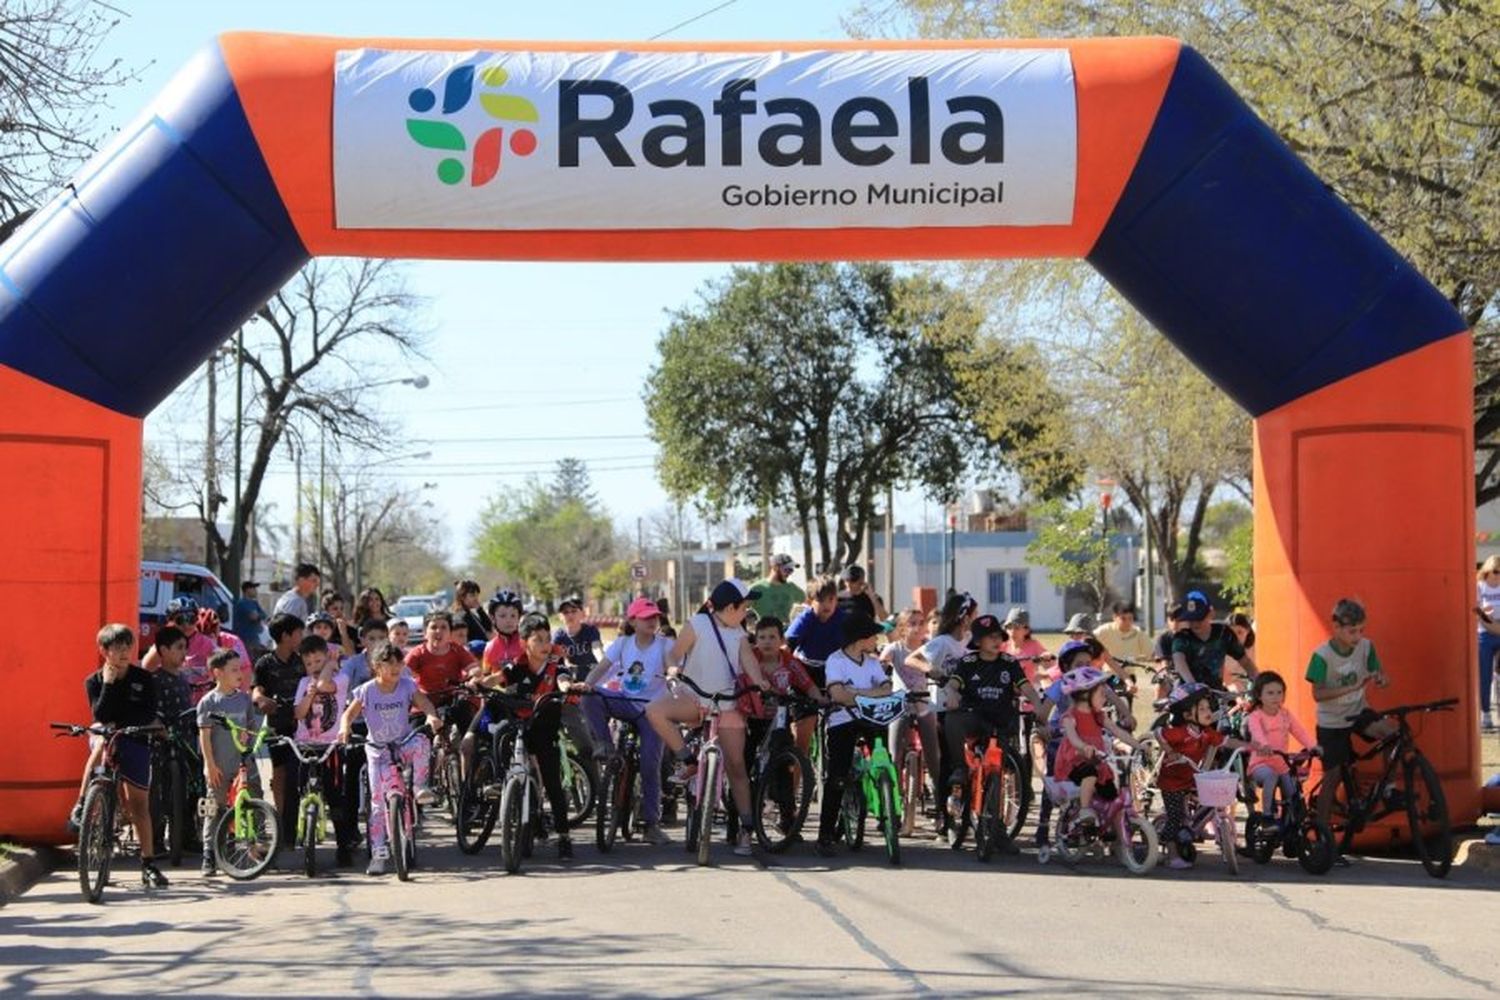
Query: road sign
pixel 638 571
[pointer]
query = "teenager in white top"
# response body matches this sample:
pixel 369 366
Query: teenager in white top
pixel 712 650
pixel 853 671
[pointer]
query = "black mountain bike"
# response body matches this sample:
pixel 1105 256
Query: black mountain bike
pixel 619 798
pixel 177 787
pixel 781 779
pixel 1407 782
pixel 101 803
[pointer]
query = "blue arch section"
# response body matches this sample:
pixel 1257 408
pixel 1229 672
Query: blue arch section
pixel 1260 274
pixel 122 285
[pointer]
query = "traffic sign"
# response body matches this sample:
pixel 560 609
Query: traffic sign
pixel 638 571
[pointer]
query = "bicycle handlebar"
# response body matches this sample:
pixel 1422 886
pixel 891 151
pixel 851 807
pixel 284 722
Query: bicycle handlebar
pixel 103 729
pixel 387 744
pixel 1444 705
pixel 714 697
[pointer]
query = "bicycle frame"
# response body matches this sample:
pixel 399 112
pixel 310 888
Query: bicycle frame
pixel 1363 808
pixel 239 788
pixel 312 792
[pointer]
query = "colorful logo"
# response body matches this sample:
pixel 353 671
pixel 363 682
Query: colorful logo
pixel 485 152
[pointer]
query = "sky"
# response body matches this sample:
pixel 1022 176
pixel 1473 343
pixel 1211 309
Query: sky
pixel 585 334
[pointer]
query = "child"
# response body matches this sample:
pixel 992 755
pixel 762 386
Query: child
pixel 440 665
pixel 277 675
pixel 784 676
pixel 385 704
pixel 1086 729
pixel 322 625
pixel 853 671
pixel 221 754
pixel 910 635
pixel 1270 725
pixel 173 693
pixel 505 646
pixel 122 694
pixel 356 669
pixel 320 702
pixel 1340 670
pixel 399 632
pixel 1188 741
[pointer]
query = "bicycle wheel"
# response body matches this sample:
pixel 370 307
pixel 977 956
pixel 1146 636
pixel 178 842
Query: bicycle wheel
pixel 1261 837
pixel 1137 849
pixel 781 799
pixel 630 811
pixel 852 813
pixel 453 783
pixel 607 817
pixel 96 837
pixel 580 789
pixel 511 832
pixel 1228 846
pixel 1427 812
pixel 1016 802
pixel 1316 850
pixel 476 811
pixel 245 846
pixel 911 791
pixel 1065 844
pixel 889 821
pixel 397 834
pixel 987 825
pixel 312 818
pixel 708 786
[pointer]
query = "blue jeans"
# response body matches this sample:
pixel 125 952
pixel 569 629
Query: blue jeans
pixel 1489 645
pixel 617 705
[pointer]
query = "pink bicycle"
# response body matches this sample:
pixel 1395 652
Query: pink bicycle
pixel 1133 836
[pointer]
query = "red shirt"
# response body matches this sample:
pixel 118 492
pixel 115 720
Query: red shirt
pixel 503 649
pixel 1089 725
pixel 1187 741
pixel 436 671
pixel 787 676
pixel 536 684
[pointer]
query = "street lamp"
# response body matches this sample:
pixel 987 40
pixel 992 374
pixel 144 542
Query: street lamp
pixel 415 381
pixel 1106 497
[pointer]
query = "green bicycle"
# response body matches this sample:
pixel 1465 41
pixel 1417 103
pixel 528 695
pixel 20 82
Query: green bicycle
pixel 247 832
pixel 874 787
pixel 312 807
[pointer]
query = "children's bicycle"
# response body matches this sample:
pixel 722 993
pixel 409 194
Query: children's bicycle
pixel 246 832
pixel 873 786
pixel 781 780
pixel 312 806
pixel 706 790
pixel 994 804
pixel 97 838
pixel 1407 782
pixel 1215 792
pixel 916 795
pixel 619 799
pixel 396 789
pixel 1292 827
pixel 177 786
pixel 1133 836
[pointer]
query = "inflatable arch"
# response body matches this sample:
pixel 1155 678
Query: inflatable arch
pixel 1131 153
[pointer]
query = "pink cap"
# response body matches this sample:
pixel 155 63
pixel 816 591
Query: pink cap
pixel 642 608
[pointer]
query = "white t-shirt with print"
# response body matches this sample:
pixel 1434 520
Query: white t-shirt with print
pixel 860 676
pixel 941 652
pixel 646 681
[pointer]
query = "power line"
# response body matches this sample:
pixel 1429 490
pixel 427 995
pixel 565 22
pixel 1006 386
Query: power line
pixel 695 17
pixel 538 405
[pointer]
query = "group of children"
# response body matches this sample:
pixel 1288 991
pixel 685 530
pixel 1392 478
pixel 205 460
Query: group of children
pixel 965 676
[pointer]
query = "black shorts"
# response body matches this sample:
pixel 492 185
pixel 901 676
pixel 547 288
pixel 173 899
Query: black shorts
pixel 282 756
pixel 1338 744
pixel 1104 787
pixel 133 761
pixel 819 674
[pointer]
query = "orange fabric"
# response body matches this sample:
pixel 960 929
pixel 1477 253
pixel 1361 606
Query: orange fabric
pixel 70 530
pixel 1358 491
pixel 286 85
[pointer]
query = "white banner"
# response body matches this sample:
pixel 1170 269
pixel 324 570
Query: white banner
pixel 681 140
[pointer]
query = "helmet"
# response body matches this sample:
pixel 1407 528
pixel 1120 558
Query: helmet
pixel 1186 694
pixel 319 616
pixel 1082 679
pixel 208 620
pixel 506 599
pixel 1069 649
pixel 180 606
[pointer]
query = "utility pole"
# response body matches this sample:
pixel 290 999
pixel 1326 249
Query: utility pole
pixel 297 541
pixel 236 535
pixel 682 584
pixel 322 486
pixel 1150 567
pixel 640 541
pixel 765 540
pixel 210 472
pixel 890 548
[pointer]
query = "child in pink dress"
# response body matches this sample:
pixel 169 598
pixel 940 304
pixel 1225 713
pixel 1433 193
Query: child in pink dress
pixel 1270 727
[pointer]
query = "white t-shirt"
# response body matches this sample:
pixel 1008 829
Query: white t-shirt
pixel 1488 597
pixel 638 672
pixel 865 674
pixel 711 668
pixel 942 651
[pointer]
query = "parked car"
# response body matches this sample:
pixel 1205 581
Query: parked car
pixel 412 608
pixel 162 581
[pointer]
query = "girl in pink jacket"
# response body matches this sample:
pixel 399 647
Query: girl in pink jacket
pixel 1270 726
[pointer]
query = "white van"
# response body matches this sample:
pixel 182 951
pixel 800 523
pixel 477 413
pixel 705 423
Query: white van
pixel 162 581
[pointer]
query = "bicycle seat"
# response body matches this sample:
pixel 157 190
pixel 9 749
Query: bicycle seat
pixel 880 711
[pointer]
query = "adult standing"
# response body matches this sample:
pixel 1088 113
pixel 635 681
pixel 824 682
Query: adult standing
pixel 370 604
pixel 301 600
pixel 1121 636
pixel 466 605
pixel 1487 604
pixel 778 594
pixel 249 620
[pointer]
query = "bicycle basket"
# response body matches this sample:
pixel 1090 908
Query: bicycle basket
pixel 879 711
pixel 1216 788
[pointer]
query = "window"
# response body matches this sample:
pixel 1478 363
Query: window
pixel 150 589
pixel 996 588
pixel 1018 587
pixel 1007 588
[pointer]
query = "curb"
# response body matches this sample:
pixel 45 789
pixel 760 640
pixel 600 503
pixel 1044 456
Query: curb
pixel 1474 855
pixel 21 870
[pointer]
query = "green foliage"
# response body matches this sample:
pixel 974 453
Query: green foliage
pixel 570 481
pixel 1222 518
pixel 1069 545
pixel 1239 573
pixel 552 547
pixel 815 386
pixel 612 584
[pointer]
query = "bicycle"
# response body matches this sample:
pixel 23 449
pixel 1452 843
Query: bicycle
pixel 475 812
pixel 521 790
pixel 97 838
pixel 915 792
pixel 1133 835
pixel 176 781
pixel 1217 790
pixel 995 805
pixel 781 782
pixel 401 814
pixel 246 833
pixel 873 785
pixel 707 787
pixel 1293 828
pixel 579 779
pixel 1419 794
pixel 312 806
pixel 619 799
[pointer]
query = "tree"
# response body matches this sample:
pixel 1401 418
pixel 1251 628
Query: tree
pixel 816 386
pixel 52 81
pixel 1070 547
pixel 1239 568
pixel 613 584
pixel 550 547
pixel 1395 106
pixel 570 481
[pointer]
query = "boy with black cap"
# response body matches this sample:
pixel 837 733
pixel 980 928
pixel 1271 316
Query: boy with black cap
pixel 852 671
pixel 1200 649
pixel 857 597
pixel 986 683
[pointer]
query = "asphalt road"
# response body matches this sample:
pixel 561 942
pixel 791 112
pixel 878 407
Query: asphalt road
pixel 645 921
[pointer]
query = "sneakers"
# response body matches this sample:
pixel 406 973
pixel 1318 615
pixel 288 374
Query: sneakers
pixel 955 809
pixel 564 849
pixel 344 858
pixel 208 867
pixel 1177 863
pixel 151 876
pixel 1486 721
pixel 826 848
pixel 425 796
pixel 1493 837
pixel 75 818
pixel 377 862
pixel 1087 817
pixel 655 835
pixel 683 772
pixel 742 845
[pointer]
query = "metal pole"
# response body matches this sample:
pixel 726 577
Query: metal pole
pixel 890 549
pixel 297 542
pixel 322 485
pixel 765 540
pixel 359 546
pixel 1150 564
pixel 236 533
pixel 209 472
pixel 681 595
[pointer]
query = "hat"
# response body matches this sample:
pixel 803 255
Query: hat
pixel 1068 651
pixel 1195 607
pixel 642 608
pixel 853 571
pixel 571 600
pixel 733 591
pixel 249 583
pixel 986 625
pixel 861 626
pixel 1081 622
pixel 784 560
pixel 1018 616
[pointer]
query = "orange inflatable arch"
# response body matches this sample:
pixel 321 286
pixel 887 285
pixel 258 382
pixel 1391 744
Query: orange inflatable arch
pixel 1131 153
